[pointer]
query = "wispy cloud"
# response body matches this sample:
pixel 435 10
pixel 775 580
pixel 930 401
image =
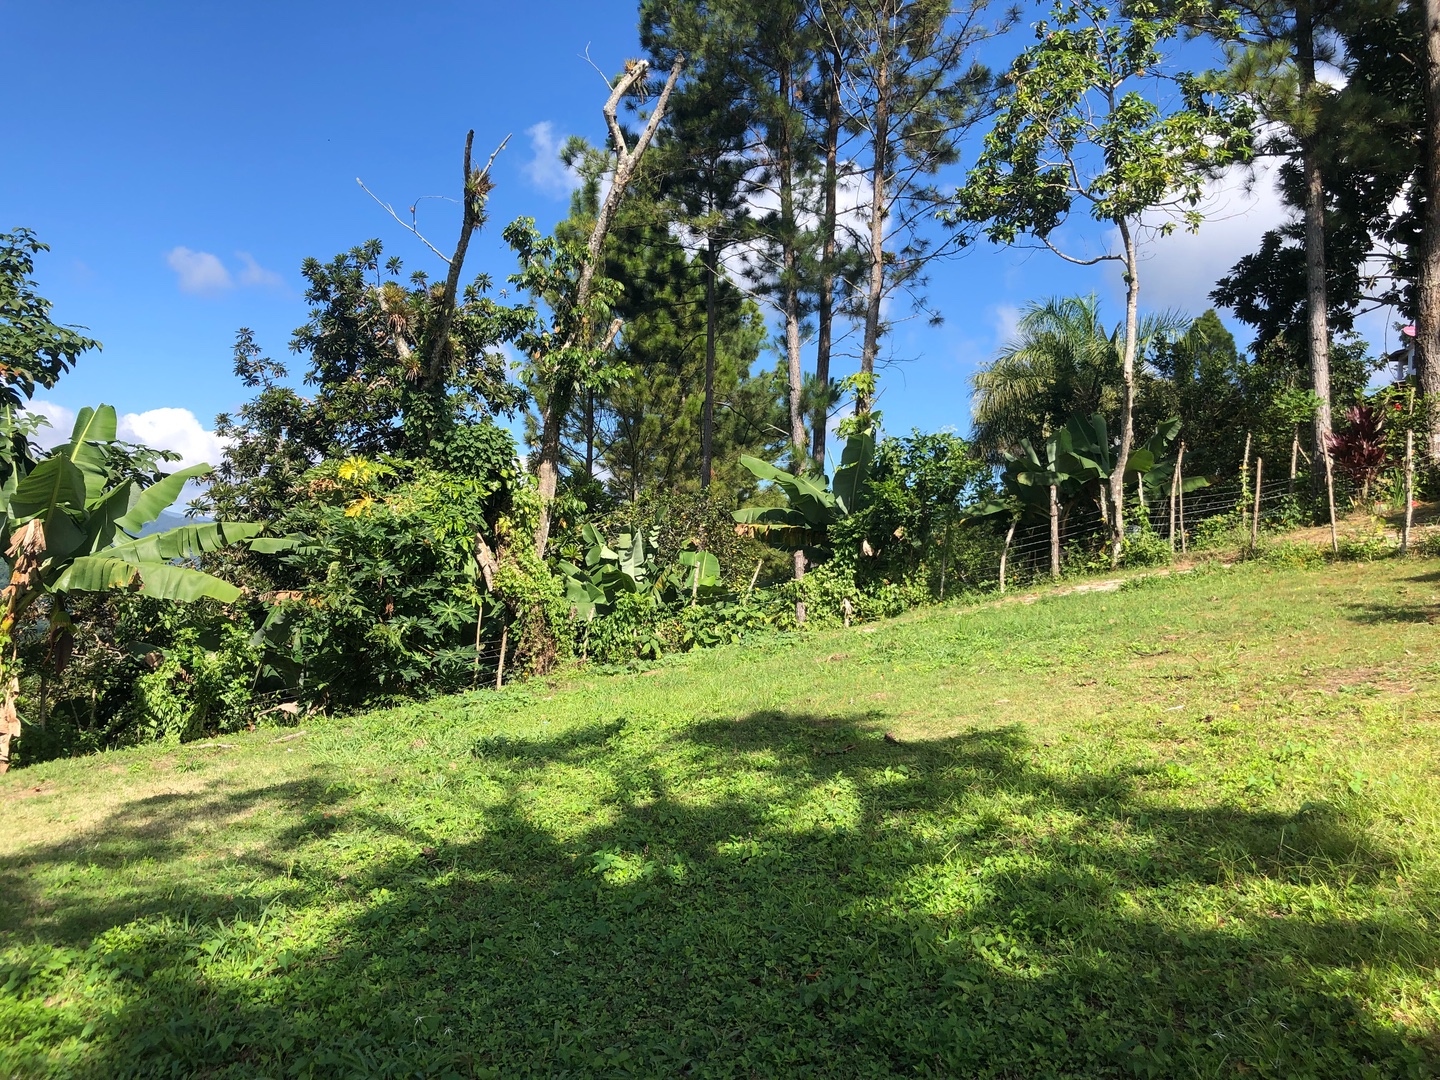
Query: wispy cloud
pixel 198 272
pixel 545 169
pixel 203 274
pixel 254 274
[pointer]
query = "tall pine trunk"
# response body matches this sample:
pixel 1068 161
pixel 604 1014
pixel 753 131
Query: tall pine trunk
pixel 825 308
pixel 547 472
pixel 875 291
pixel 707 424
pixel 1427 292
pixel 790 301
pixel 1315 297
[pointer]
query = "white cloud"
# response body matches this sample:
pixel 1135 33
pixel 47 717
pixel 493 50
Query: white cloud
pixel 1179 271
pixel 62 420
pixel 173 429
pixel 1006 320
pixel 545 169
pixel 255 274
pixel 203 274
pixel 198 271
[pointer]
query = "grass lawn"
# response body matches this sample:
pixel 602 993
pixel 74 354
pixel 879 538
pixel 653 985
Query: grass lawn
pixel 1183 829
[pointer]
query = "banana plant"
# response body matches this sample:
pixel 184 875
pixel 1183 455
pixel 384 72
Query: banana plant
pixel 608 571
pixel 812 504
pixel 73 523
pixel 629 567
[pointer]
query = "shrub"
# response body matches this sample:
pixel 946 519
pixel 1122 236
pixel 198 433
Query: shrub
pixel 1145 548
pixel 1364 548
pixel 1292 555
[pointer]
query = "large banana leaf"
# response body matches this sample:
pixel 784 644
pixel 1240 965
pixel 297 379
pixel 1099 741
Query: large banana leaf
pixel 806 494
pixel 850 478
pixel 183 541
pixel 54 484
pixel 277 545
pixel 159 497
pixel 92 427
pixel 162 580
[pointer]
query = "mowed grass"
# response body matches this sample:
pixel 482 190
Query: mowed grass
pixel 1183 829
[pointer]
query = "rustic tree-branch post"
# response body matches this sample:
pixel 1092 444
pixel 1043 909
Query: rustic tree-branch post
pixel 1174 488
pixel 1054 532
pixel 1409 491
pixel 1330 496
pixel 1180 487
pixel 1245 472
pixel 1005 551
pixel 500 666
pixel 1255 517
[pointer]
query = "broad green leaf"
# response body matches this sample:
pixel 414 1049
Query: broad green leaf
pixel 158 498
pixel 94 425
pixel 54 483
pixel 184 541
pixel 854 471
pixel 162 580
pixel 275 545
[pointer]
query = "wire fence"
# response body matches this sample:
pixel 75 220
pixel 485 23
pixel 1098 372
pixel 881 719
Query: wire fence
pixel 1199 517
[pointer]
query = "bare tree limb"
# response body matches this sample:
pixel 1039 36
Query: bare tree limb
pixel 391 211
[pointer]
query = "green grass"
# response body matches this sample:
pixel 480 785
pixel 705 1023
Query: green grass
pixel 1188 828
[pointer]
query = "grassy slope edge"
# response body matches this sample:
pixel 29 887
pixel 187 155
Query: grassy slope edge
pixel 1186 828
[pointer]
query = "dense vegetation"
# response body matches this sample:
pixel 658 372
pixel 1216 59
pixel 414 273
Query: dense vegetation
pixel 696 470
pixel 527 691
pixel 1185 828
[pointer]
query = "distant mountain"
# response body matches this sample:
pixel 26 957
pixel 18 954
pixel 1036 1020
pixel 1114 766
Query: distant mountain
pixel 168 519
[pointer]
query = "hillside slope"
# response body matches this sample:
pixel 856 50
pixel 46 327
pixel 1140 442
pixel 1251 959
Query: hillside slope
pixel 1186 828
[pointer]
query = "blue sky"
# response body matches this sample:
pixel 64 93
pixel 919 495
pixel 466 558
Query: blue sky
pixel 181 160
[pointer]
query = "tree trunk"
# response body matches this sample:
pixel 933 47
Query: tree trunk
pixel 1315 292
pixel 1427 291
pixel 875 292
pixel 590 434
pixel 825 311
pixel 707 425
pixel 1127 404
pixel 562 392
pixel 547 472
pixel 1005 552
pixel 790 287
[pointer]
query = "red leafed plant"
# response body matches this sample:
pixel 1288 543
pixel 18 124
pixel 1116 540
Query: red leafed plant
pixel 1358 449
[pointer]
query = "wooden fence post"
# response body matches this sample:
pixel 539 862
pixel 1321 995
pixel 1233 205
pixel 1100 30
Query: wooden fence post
pixel 1055 532
pixel 1255 518
pixel 1005 551
pixel 1174 485
pixel 1180 489
pixel 1409 491
pixel 1330 494
pixel 1245 472
pixel 500 668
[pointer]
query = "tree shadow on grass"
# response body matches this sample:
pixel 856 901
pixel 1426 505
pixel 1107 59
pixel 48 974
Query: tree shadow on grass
pixel 773 894
pixel 1405 610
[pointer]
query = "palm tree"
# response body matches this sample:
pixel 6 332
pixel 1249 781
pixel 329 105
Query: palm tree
pixel 1060 363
